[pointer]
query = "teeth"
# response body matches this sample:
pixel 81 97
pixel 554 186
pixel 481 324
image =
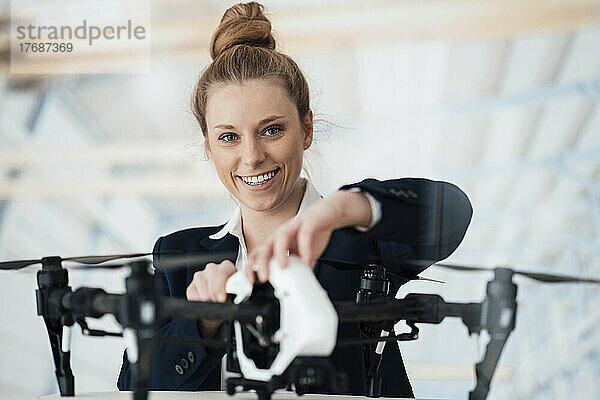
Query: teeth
pixel 259 180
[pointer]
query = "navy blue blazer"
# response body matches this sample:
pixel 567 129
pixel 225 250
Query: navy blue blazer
pixel 421 219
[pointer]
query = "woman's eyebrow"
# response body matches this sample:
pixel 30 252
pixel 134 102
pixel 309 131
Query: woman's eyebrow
pixel 261 122
pixel 269 119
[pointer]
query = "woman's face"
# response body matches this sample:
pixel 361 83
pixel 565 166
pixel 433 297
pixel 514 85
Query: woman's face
pixel 256 141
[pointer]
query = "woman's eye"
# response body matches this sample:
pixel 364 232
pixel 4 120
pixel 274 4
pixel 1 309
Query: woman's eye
pixel 228 137
pixel 273 130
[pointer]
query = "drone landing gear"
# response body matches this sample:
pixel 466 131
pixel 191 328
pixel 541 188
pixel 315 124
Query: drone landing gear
pixel 375 286
pixel 500 308
pixel 64 375
pixel 53 283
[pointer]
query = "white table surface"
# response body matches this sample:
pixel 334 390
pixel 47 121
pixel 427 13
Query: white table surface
pixel 116 395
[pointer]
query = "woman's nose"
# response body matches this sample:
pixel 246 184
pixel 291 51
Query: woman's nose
pixel 252 153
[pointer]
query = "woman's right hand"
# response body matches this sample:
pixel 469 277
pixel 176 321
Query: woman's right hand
pixel 209 285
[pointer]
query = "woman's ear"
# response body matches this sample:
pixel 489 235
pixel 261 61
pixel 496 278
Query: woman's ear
pixel 308 129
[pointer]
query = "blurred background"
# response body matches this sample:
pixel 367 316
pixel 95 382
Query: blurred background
pixel 498 97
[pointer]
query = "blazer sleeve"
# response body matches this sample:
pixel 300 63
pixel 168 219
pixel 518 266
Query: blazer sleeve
pixel 180 367
pixel 422 221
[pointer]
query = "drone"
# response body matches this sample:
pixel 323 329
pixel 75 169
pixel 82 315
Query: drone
pixel 265 344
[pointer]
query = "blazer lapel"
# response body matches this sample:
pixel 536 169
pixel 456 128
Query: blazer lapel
pixel 228 243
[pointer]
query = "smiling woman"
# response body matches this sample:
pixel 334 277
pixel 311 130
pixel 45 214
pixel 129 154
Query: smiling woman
pixel 253 107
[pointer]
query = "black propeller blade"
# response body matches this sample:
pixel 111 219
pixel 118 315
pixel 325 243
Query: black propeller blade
pixel 101 259
pixel 457 267
pixel 555 278
pixel 172 262
pixel 90 260
pixel 175 261
pixel 14 265
pixel 538 276
pixel 182 260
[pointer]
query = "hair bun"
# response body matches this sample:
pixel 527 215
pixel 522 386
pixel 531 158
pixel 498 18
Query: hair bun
pixel 242 23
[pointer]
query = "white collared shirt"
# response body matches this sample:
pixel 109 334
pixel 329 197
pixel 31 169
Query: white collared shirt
pixel 234 225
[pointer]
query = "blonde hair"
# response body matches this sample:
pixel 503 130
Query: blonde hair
pixel 243 48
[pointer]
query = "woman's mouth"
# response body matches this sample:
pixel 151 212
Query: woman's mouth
pixel 259 182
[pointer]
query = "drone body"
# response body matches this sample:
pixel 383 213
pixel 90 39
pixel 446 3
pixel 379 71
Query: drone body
pixel 307 319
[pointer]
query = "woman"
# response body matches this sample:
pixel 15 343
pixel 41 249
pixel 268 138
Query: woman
pixel 252 104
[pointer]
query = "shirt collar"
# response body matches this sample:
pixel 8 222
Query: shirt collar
pixel 234 225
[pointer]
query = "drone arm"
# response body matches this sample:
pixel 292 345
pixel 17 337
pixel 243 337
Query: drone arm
pixel 92 302
pixel 469 313
pixel 415 307
pixel 433 309
pixel 182 308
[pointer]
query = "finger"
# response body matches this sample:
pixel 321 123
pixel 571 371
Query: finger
pixel 249 272
pixel 305 243
pixel 208 267
pixel 202 287
pixel 208 275
pixel 221 293
pixel 263 273
pixel 263 267
pixel 268 255
pixel 194 290
pixel 249 267
pixel 197 291
pixel 225 269
pixel 218 275
pixel 228 267
pixel 282 244
pixel 212 288
pixel 191 293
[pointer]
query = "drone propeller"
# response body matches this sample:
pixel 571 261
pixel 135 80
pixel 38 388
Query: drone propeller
pixel 538 276
pixel 14 265
pixel 88 260
pixel 100 259
pixel 458 267
pixel 178 261
pixel 552 278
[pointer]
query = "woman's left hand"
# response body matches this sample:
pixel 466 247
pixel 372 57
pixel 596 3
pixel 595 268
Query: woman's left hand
pixel 307 236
